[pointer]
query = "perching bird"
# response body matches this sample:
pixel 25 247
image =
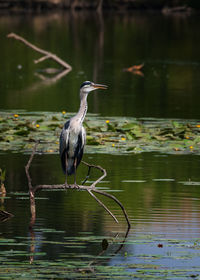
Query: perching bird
pixel 73 135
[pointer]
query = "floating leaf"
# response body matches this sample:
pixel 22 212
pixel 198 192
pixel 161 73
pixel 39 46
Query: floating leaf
pixel 129 136
pixel 128 126
pixel 92 140
pixel 104 136
pixel 190 183
pixel 133 181
pixel 163 180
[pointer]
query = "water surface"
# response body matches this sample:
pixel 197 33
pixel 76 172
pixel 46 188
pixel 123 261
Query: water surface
pixel 161 196
pixel 99 48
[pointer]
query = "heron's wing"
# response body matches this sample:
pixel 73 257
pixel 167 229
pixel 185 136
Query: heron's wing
pixel 64 136
pixel 83 132
pixel 81 144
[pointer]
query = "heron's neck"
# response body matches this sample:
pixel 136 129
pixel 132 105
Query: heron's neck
pixel 83 109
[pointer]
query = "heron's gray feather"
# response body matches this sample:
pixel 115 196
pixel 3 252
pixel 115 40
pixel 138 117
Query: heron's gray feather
pixel 64 136
pixel 80 145
pixel 72 142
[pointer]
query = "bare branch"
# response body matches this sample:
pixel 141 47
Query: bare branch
pixel 61 187
pixel 90 189
pixel 27 167
pixel 98 167
pixel 99 6
pixel 103 205
pixel 117 201
pixel 41 59
pixel 4 215
pixel 87 176
pixel 45 53
pixel 31 189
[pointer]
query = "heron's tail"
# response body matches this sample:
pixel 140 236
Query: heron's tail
pixel 70 167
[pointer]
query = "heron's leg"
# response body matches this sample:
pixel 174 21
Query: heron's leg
pixel 66 180
pixel 75 163
pixel 66 165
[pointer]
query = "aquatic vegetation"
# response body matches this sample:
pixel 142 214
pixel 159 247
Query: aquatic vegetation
pixel 116 135
pixel 19 258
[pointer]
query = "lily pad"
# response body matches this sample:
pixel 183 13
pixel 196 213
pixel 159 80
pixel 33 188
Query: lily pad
pixel 190 183
pixel 133 181
pixel 114 135
pixel 163 180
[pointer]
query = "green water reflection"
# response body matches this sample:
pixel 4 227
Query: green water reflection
pixel 99 48
pixel 145 181
pixel 161 195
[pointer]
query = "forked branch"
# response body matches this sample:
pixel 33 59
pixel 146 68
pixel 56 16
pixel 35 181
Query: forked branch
pixel 4 215
pixel 101 203
pixel 46 54
pixel 90 189
pixel 117 201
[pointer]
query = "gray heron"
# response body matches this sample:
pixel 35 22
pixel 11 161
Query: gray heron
pixel 73 135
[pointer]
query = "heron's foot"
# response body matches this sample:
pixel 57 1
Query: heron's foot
pixel 66 184
pixel 76 186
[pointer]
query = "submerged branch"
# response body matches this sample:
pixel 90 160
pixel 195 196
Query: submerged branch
pixel 31 189
pixel 4 215
pixel 27 167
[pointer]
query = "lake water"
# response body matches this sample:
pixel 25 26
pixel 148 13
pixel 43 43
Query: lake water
pixel 99 49
pixel 161 196
pixel 73 237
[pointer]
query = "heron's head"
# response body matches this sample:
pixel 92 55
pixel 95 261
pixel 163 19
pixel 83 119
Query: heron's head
pixel 87 86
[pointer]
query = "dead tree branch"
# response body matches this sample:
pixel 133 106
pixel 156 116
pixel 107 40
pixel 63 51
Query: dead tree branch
pixel 90 189
pixel 101 203
pixel 98 167
pixel 117 201
pixel 31 189
pixel 46 54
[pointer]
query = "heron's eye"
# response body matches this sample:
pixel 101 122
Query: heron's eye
pixel 85 84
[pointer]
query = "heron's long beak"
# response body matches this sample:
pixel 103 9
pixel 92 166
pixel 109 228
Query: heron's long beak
pixel 100 86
